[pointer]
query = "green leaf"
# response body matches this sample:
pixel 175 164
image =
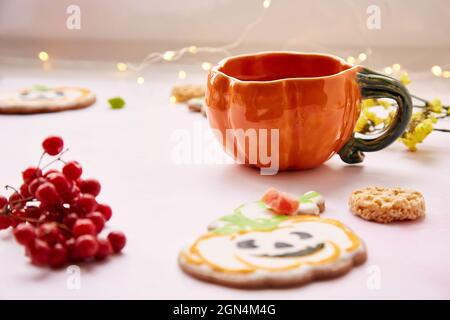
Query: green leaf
pixel 40 87
pixel 116 103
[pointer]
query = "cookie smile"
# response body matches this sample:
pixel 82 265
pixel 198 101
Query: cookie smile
pixel 300 253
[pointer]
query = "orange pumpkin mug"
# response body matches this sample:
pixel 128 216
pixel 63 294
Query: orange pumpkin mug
pixel 311 101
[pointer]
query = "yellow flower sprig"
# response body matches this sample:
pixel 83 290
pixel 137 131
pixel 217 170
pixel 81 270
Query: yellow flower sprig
pixel 422 121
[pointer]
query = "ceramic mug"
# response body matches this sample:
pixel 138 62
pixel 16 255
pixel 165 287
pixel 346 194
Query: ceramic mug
pixel 311 99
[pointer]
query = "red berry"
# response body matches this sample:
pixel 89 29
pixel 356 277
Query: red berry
pixel 15 222
pixel 72 170
pixel 30 174
pixel 61 183
pixel 86 203
pixel 71 252
pixel 3 202
pixel 53 145
pixel 16 201
pixel 105 210
pixel 5 222
pixel 24 190
pixel 18 213
pixel 46 193
pixel 98 219
pixel 58 256
pixel 43 218
pixel 50 171
pixel 70 220
pixel 33 212
pixel 71 195
pixel 82 227
pixel 49 232
pixel 24 233
pixel 86 246
pixel 39 251
pixel 34 185
pixel 104 249
pixel 90 186
pixel 117 240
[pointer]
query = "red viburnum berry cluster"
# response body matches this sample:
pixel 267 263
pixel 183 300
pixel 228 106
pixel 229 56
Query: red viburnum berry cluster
pixel 55 214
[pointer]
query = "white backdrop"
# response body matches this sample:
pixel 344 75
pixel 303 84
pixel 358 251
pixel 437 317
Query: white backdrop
pixel 289 24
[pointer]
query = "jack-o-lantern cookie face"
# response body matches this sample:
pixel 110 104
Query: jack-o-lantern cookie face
pixel 283 248
pixel 296 251
pixel 40 99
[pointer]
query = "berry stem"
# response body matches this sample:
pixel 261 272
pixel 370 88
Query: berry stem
pixel 40 160
pixel 55 160
pixel 7 187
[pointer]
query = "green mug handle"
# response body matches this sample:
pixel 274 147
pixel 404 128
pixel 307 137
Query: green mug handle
pixel 375 85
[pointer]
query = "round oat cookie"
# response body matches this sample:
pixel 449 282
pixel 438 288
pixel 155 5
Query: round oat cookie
pixel 42 99
pixel 386 205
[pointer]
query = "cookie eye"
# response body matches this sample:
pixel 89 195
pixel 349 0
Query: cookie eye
pixel 279 245
pixel 247 244
pixel 302 235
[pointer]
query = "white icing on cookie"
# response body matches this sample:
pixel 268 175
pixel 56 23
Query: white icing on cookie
pixel 308 208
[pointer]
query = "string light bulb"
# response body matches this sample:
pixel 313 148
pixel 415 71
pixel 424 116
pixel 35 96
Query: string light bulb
pixel 266 4
pixel 388 70
pixel 182 74
pixel 436 70
pixel 351 59
pixel 168 55
pixel 43 56
pixel 121 66
pixel 362 56
pixel 192 49
pixel 446 74
pixel 396 67
pixel 206 66
pixel 173 99
pixel 140 80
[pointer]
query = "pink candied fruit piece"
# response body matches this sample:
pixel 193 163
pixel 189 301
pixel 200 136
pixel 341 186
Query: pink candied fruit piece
pixel 280 202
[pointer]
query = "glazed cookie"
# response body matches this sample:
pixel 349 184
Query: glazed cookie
pixel 42 99
pixel 197 105
pixel 279 202
pixel 183 93
pixel 386 205
pixel 253 247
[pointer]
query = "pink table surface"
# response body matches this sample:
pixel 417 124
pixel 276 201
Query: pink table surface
pixel 162 206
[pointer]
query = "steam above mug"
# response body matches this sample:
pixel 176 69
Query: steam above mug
pixel 312 101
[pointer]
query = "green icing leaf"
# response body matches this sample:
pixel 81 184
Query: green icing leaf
pixel 307 198
pixel 116 103
pixel 237 222
pixel 40 87
pixel 227 229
